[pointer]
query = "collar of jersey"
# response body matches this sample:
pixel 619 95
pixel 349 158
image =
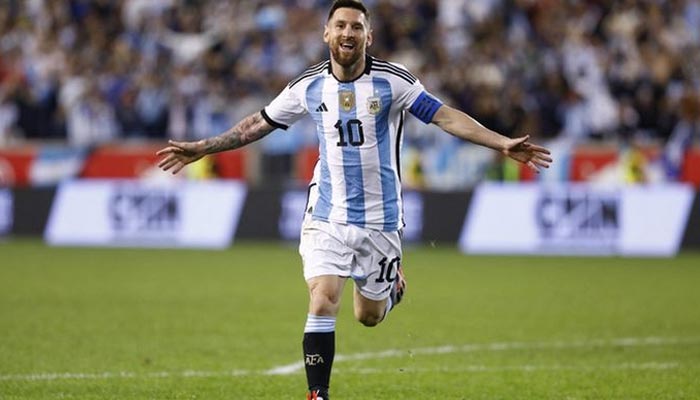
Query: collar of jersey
pixel 368 68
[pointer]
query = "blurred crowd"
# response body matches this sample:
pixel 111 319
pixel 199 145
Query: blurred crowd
pixel 87 72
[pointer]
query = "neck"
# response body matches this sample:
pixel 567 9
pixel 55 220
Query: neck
pixel 350 72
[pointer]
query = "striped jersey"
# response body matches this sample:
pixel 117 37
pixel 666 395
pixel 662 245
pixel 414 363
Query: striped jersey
pixel 359 126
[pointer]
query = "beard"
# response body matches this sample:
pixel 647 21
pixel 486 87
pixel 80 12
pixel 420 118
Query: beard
pixel 346 59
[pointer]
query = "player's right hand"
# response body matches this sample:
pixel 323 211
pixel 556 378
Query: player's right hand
pixel 179 154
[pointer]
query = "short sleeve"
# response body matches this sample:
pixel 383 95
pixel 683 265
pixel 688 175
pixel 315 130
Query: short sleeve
pixel 284 110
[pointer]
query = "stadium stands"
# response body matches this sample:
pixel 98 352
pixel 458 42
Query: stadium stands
pixel 89 73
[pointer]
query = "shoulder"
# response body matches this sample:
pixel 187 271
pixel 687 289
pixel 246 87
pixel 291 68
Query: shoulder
pixel 310 72
pixel 392 69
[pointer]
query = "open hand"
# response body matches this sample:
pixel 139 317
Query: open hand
pixel 179 154
pixel 532 155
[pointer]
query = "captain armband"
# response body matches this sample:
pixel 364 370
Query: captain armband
pixel 425 107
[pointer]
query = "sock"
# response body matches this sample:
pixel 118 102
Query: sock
pixel 319 350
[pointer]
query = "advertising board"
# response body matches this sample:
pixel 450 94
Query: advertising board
pixel 577 219
pixel 134 213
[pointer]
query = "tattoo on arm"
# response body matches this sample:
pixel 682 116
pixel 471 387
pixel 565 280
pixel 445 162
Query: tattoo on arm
pixel 250 129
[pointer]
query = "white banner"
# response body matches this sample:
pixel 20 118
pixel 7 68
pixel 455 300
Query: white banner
pixel 577 219
pixel 129 213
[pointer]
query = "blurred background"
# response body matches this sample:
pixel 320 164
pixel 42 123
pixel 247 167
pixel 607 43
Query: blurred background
pixel 89 89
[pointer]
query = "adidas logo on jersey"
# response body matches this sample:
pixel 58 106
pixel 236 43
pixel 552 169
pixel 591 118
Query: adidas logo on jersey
pixel 322 108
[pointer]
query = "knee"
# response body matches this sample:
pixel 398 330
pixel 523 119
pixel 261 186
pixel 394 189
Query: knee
pixel 369 319
pixel 324 303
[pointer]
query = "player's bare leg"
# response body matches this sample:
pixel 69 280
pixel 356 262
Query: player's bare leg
pixel 372 312
pixel 324 294
pixel 368 312
pixel 319 333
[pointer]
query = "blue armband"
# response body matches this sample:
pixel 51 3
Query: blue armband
pixel 425 107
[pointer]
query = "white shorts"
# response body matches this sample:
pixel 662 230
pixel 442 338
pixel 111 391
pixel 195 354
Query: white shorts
pixel 370 257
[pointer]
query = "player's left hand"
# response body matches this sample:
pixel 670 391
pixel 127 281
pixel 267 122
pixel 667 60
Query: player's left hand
pixel 532 155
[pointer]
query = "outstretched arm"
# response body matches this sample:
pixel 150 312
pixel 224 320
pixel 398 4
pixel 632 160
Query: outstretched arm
pixel 465 127
pixel 179 154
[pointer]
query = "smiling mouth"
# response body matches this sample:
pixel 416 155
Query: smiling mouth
pixel 347 46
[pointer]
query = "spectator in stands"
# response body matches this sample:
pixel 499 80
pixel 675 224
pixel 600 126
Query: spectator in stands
pixel 685 133
pixel 152 105
pixel 91 120
pixel 8 117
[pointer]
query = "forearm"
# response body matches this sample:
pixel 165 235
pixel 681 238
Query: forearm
pixel 465 127
pixel 248 130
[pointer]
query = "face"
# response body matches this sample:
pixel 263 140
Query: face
pixel 348 36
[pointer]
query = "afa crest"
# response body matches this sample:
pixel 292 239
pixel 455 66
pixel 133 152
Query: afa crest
pixel 374 105
pixel 346 99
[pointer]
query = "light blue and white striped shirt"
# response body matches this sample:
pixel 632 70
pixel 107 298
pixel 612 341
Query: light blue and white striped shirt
pixel 359 126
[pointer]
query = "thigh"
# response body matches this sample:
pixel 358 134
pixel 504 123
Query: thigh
pixel 323 250
pixel 376 264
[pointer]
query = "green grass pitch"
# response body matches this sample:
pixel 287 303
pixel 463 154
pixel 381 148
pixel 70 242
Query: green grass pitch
pixel 186 324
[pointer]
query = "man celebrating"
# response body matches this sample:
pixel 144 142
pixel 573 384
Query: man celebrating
pixel 354 215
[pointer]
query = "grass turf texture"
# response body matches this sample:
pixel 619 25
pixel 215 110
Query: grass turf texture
pixel 184 324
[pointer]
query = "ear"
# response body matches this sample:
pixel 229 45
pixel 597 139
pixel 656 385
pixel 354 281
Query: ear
pixel 370 38
pixel 326 34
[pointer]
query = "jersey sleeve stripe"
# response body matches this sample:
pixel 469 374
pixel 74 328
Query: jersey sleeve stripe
pixel 394 68
pixel 272 122
pixel 309 72
pixel 390 65
pixel 398 73
pixel 315 67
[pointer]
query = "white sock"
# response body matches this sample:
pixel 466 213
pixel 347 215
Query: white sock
pixel 319 324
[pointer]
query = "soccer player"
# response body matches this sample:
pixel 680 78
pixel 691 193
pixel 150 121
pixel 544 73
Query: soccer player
pixel 353 222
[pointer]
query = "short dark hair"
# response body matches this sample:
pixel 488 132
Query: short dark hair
pixel 357 5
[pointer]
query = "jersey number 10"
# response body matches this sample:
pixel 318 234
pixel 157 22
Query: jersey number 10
pixel 389 271
pixel 352 132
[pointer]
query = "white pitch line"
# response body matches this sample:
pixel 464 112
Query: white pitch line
pixel 658 366
pixel 469 348
pixel 525 368
pixel 123 375
pixel 395 353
